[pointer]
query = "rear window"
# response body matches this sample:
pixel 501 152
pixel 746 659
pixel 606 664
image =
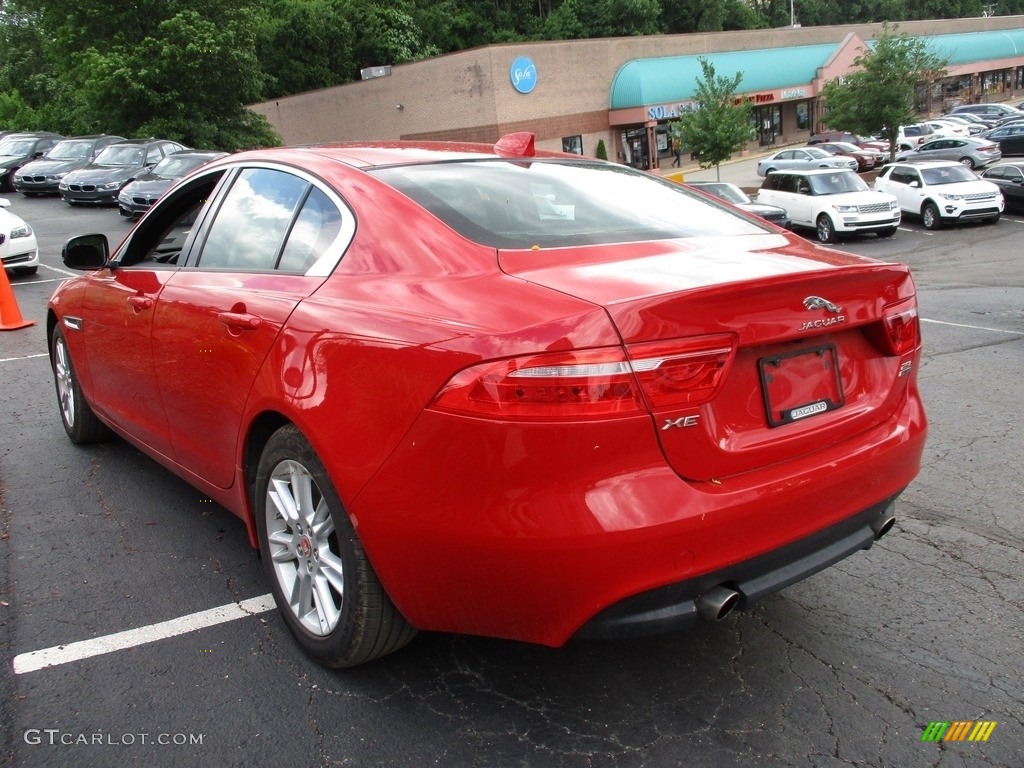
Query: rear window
pixel 554 203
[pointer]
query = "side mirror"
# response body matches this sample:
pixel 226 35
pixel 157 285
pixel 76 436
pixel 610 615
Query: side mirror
pixel 914 184
pixel 86 252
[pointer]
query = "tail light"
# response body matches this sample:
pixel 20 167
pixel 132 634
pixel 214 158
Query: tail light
pixel 590 384
pixel 902 327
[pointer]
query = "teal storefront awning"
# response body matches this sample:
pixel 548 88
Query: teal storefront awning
pixel 642 82
pixel 673 79
pixel 972 47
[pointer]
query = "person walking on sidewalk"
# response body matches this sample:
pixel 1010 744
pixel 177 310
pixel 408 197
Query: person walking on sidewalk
pixel 677 152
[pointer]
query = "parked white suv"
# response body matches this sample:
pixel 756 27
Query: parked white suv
pixel 913 136
pixel 941 192
pixel 834 202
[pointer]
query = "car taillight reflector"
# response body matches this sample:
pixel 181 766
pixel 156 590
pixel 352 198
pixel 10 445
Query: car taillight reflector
pixel 681 371
pixel 589 384
pixel 902 327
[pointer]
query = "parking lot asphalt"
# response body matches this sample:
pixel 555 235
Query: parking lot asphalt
pixel 853 666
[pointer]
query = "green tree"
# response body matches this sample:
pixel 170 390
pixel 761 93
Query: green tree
pixel 579 19
pixel 304 45
pixel 682 16
pixel 878 96
pixel 388 34
pixel 719 125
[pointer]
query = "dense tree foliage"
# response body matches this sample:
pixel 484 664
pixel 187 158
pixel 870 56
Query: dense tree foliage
pixel 184 69
pixel 719 126
pixel 878 96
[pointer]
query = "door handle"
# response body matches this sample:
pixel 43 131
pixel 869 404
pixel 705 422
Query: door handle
pixel 240 320
pixel 140 302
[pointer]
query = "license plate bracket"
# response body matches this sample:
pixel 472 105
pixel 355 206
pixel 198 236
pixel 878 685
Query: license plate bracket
pixel 800 384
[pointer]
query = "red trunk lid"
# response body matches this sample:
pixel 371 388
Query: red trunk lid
pixel 810 362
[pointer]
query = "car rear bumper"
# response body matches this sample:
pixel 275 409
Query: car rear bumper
pixel 533 538
pixel 676 606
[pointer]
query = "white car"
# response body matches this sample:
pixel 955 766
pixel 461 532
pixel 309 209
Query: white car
pixel 941 192
pixel 947 128
pixel 803 157
pixel 834 202
pixel 19 251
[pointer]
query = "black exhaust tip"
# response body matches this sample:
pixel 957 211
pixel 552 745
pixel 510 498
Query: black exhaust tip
pixel 717 603
pixel 882 524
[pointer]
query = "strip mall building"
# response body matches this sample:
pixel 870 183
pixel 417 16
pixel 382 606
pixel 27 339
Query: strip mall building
pixel 624 91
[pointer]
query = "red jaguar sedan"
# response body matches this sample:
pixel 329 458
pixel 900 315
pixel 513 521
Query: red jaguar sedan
pixel 496 391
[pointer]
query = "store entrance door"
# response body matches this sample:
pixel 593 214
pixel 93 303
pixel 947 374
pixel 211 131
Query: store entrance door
pixel 637 155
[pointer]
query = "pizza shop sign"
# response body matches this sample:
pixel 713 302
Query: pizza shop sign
pixel 671 111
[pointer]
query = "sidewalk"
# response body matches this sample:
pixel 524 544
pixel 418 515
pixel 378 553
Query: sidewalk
pixel 741 171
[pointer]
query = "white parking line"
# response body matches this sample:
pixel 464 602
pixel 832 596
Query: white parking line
pixel 62 271
pixel 84 649
pixel 37 282
pixel 972 327
pixel 16 359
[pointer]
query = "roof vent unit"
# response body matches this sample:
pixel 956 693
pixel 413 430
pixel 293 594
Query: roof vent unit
pixel 368 73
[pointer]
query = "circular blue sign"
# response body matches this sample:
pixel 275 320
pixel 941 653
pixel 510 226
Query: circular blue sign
pixel 523 74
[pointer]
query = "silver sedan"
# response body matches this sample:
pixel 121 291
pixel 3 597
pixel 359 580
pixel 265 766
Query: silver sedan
pixel 972 152
pixel 803 158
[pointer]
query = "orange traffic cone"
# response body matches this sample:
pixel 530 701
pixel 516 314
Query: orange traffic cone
pixel 10 315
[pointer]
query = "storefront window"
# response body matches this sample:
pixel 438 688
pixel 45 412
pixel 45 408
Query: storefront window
pixel 572 144
pixel 803 116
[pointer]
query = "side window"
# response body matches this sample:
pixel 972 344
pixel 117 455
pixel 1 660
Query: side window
pixel 154 155
pixel 316 228
pixel 160 237
pixel 787 183
pixel 249 230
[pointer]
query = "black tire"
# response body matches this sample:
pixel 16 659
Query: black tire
pixel 25 271
pixel 930 216
pixel 967 162
pixel 826 229
pixel 76 414
pixel 993 219
pixel 887 232
pixel 316 553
